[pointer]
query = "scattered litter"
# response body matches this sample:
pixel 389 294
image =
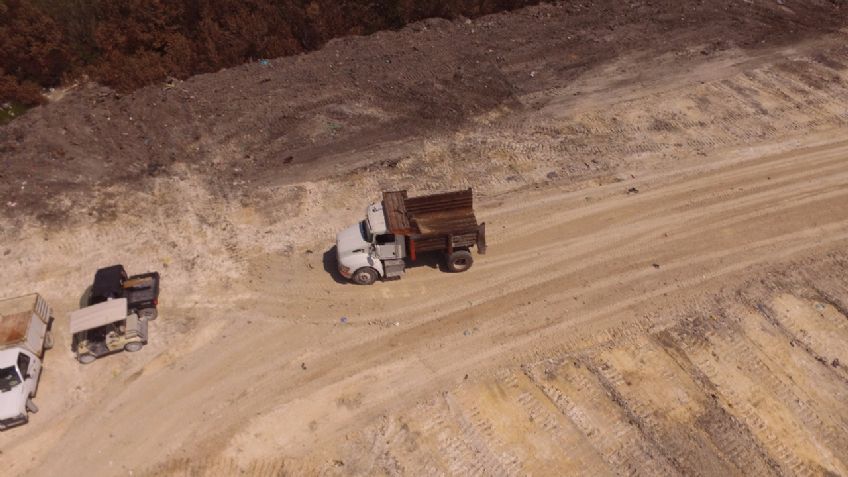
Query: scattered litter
pixel 532 74
pixel 343 319
pixel 820 306
pixel 303 366
pixel 835 363
pixel 655 265
pixel 466 333
pixel 397 323
pixel 264 62
pixel 632 190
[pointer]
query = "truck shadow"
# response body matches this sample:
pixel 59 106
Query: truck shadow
pixel 431 260
pixel 85 297
pixel 332 268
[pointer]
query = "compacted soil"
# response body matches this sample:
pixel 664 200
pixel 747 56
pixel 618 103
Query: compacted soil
pixel 665 190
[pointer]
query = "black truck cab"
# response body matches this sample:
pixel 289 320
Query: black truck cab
pixel 141 291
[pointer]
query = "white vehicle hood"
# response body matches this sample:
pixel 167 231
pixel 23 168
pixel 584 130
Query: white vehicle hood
pixel 13 402
pixel 350 239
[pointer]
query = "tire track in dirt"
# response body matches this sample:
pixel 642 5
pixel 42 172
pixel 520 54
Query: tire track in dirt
pixel 568 279
pixel 755 251
pixel 620 280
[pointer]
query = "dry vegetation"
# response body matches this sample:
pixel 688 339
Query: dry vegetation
pixel 130 43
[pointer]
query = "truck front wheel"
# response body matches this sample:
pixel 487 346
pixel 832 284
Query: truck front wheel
pixel 86 358
pixel 365 276
pixel 133 347
pixel 148 314
pixel 48 340
pixel 460 261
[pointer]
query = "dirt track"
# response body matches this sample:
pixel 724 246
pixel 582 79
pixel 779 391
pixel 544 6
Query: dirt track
pixel 665 293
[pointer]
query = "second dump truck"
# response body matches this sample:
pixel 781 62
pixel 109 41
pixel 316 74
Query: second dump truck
pixel 400 228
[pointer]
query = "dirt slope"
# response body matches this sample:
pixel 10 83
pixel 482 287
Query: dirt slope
pixel 365 100
pixel 665 291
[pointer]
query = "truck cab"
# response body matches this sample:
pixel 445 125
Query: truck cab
pixel 141 291
pixel 19 374
pixel 366 245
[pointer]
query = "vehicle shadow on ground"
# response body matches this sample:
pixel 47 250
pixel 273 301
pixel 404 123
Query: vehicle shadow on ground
pixel 331 266
pixel 432 260
pixel 83 302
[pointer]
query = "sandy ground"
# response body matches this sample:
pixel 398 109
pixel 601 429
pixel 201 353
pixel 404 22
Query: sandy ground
pixel 664 293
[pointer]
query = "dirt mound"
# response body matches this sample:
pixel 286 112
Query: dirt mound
pixel 130 43
pixel 307 117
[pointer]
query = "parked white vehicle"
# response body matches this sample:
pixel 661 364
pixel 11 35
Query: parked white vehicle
pixel 24 336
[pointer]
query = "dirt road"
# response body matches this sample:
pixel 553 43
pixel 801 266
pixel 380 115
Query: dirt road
pixel 664 293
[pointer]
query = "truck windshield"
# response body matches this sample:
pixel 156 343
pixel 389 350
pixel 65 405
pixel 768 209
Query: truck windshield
pixel 365 230
pixel 9 378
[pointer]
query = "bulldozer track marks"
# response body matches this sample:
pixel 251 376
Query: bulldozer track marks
pixel 664 292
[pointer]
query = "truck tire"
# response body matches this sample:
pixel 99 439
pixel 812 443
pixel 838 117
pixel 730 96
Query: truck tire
pixel 460 261
pixel 365 276
pixel 86 358
pixel 48 340
pixel 148 314
pixel 133 347
pixel 30 406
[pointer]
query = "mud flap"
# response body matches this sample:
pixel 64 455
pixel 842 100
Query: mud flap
pixel 481 239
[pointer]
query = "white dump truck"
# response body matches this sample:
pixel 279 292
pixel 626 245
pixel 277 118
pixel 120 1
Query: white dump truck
pixel 399 229
pixel 25 324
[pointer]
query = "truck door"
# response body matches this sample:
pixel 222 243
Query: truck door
pixel 29 371
pixel 388 246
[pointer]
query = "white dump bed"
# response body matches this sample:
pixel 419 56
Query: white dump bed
pixel 100 314
pixel 23 322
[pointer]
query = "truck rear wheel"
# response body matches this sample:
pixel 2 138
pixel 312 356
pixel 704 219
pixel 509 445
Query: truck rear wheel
pixel 86 358
pixel 460 261
pixel 365 276
pixel 148 314
pixel 133 347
